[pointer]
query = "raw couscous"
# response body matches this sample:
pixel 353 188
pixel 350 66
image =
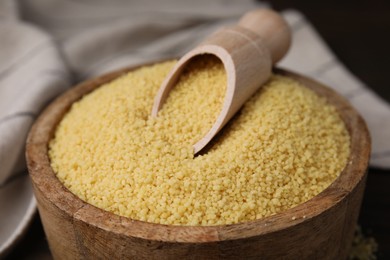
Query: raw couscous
pixel 285 146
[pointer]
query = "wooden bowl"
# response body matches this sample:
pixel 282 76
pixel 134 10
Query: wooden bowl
pixel 321 228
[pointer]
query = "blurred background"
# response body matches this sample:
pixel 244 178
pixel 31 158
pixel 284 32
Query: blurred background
pixel 358 32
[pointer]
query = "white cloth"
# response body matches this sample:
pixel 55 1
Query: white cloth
pixel 46 46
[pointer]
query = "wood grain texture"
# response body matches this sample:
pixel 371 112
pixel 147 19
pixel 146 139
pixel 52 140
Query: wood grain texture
pixel 319 228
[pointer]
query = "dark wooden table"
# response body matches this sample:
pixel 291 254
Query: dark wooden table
pixel 359 33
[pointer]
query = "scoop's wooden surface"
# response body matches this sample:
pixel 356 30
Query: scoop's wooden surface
pixel 247 50
pixel 321 228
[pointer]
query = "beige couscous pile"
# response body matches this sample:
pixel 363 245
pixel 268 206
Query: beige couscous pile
pixel 363 247
pixel 285 146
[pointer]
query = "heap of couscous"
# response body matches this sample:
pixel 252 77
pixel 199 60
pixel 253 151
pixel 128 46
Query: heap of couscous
pixel 285 146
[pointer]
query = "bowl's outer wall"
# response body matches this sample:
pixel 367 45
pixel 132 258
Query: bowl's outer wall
pixel 319 229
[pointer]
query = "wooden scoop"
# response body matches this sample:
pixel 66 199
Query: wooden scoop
pixel 247 50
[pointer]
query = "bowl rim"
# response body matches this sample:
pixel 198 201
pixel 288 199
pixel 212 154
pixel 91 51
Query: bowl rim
pixel 45 180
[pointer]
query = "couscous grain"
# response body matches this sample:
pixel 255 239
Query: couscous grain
pixel 285 146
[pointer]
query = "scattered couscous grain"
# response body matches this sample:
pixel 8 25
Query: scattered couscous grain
pixel 363 247
pixel 285 146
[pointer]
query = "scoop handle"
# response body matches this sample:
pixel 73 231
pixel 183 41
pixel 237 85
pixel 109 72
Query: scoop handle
pixel 272 28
